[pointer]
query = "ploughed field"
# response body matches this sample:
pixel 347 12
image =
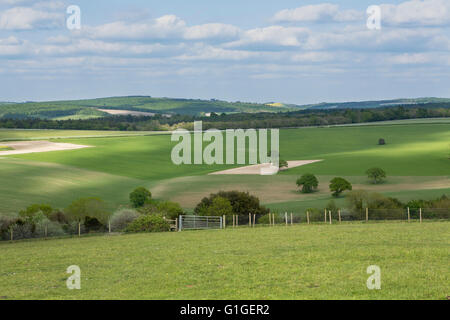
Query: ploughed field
pixel 416 159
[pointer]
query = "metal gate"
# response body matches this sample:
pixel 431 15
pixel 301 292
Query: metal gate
pixel 199 222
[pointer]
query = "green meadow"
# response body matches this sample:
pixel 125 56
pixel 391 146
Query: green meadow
pixel 294 262
pixel 416 159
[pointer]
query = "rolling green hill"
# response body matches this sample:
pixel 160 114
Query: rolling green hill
pixel 82 109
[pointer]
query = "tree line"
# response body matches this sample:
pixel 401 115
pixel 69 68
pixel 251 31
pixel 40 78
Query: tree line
pixel 300 118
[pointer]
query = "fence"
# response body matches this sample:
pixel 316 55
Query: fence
pixel 338 216
pixel 199 222
pixel 53 229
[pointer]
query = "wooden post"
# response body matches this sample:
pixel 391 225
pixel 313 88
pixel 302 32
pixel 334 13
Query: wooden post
pixel 409 216
pixel 329 212
pixel 250 220
pixel 176 224
pixel 307 216
pixel 285 218
pixel 79 229
pixel 325 215
pixel 46 231
pixel 224 221
pixel 367 214
pixel 237 220
pixel 254 220
pixel 273 218
pixel 420 215
pixel 109 226
pixel 339 213
pixel 12 234
pixel 292 220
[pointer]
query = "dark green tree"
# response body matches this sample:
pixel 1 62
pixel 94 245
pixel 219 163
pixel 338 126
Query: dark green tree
pixel 308 182
pixel 377 175
pixel 139 197
pixel 339 185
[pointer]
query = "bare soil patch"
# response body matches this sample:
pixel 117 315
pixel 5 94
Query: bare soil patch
pixel 23 147
pixel 256 168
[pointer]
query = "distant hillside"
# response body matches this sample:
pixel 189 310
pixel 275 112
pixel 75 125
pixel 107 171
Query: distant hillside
pixel 92 108
pixel 375 104
pixel 84 109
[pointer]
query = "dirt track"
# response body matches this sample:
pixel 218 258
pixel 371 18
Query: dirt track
pixel 256 169
pixel 22 147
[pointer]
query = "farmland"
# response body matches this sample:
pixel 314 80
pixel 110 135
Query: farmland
pixel 298 262
pixel 415 158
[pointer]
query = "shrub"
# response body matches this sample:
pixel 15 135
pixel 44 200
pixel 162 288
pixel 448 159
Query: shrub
pixel 148 223
pixel 219 207
pixel 265 219
pixel 242 202
pixel 170 210
pixel 139 197
pixel 122 218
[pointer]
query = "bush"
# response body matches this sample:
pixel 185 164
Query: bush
pixel 148 223
pixel 242 202
pixel 122 218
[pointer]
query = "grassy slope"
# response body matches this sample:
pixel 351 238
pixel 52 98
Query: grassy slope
pixel 418 151
pixel 300 262
pixel 88 108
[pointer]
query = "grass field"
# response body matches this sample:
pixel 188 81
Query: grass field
pixel 296 262
pixel 416 159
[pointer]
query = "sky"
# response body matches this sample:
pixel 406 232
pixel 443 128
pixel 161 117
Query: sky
pixel 236 50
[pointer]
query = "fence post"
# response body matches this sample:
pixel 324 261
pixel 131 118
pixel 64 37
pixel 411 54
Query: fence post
pixel 420 214
pixel 46 231
pixel 254 220
pixel 180 225
pixel 367 214
pixel 339 213
pixel 409 216
pixel 12 234
pixel 329 212
pixel 237 220
pixel 250 220
pixel 307 216
pixel 176 224
pixel 325 215
pixel 109 226
pixel 224 221
pixel 285 218
pixel 273 218
pixel 79 229
pixel 292 220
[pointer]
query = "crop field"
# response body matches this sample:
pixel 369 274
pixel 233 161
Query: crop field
pixel 295 262
pixel 416 159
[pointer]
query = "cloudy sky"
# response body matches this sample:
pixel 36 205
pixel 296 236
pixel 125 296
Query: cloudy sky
pixel 248 50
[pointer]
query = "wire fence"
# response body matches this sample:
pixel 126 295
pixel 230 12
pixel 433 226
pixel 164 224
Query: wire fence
pixel 56 230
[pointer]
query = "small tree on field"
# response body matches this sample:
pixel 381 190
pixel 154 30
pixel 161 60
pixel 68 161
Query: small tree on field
pixel 283 164
pixel 339 185
pixel 88 208
pixel 308 182
pixel 139 197
pixel 376 174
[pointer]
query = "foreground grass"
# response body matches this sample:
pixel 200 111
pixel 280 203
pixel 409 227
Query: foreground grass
pixel 299 262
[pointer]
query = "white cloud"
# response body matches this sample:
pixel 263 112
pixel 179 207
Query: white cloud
pixel 211 30
pixel 27 18
pixel 317 12
pixel 273 36
pixel 417 12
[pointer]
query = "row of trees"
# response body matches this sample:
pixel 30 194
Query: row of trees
pixel 309 182
pixel 230 121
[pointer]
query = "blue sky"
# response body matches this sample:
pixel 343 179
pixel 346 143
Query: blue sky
pixel 248 50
